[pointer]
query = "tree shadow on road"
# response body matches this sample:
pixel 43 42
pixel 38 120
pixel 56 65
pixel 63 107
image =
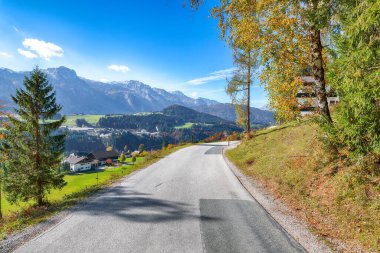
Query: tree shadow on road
pixel 139 207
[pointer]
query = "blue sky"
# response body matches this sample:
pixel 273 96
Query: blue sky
pixel 159 42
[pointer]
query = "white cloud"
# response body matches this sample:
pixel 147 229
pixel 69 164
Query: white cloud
pixel 119 68
pixel 15 28
pixel 5 55
pixel 27 54
pixel 214 76
pixel 40 48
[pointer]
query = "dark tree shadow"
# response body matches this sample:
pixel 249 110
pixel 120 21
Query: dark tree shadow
pixel 139 207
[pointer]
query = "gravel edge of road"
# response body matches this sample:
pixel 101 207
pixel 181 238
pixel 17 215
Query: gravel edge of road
pixel 280 212
pixel 16 240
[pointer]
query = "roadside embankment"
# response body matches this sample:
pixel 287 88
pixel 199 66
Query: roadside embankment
pixel 339 201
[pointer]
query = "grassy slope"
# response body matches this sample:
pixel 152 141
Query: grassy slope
pixel 335 199
pixel 79 186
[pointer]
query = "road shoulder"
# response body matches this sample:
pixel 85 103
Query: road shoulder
pixel 280 212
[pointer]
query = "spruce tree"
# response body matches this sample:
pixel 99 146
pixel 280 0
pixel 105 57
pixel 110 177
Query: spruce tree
pixel 2 157
pixel 356 76
pixel 33 144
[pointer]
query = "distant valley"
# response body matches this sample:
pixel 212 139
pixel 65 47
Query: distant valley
pixel 174 124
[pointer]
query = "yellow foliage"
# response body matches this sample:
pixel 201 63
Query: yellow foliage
pixel 277 31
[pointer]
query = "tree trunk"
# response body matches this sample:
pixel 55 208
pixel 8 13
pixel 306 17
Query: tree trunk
pixel 37 162
pixel 249 97
pixel 319 72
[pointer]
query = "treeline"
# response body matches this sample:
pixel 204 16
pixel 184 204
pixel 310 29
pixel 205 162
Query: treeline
pixel 85 143
pixel 148 122
pixel 166 120
pixel 82 143
pixel 200 132
pixel 133 142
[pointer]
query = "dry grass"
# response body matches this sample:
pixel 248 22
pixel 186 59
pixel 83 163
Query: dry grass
pixel 337 200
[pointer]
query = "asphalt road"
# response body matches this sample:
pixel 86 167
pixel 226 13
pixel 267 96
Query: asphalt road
pixel 189 201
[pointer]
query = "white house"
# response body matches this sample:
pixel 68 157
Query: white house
pixel 79 163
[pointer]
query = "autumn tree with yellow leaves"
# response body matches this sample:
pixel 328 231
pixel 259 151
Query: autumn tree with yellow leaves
pixel 236 22
pixel 284 55
pixel 286 35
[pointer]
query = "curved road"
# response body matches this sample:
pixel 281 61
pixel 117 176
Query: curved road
pixel 189 201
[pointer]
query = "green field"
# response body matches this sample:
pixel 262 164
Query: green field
pixel 75 184
pixel 186 125
pixel 190 124
pixel 92 119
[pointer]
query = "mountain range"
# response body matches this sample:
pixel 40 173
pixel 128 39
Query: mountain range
pixel 80 95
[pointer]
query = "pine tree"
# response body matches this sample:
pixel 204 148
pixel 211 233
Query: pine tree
pixel 33 146
pixel 2 159
pixel 356 76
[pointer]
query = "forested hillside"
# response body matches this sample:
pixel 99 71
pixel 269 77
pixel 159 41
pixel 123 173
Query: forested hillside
pixel 167 120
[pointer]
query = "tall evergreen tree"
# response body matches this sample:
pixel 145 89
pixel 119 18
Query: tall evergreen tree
pixel 356 76
pixel 2 158
pixel 33 146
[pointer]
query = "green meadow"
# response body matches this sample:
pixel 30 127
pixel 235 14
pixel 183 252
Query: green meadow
pixel 77 183
pixel 92 119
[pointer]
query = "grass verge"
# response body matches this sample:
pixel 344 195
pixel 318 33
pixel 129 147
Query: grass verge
pixel 338 200
pixel 79 187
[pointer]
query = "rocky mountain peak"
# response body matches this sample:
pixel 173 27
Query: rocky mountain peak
pixel 62 72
